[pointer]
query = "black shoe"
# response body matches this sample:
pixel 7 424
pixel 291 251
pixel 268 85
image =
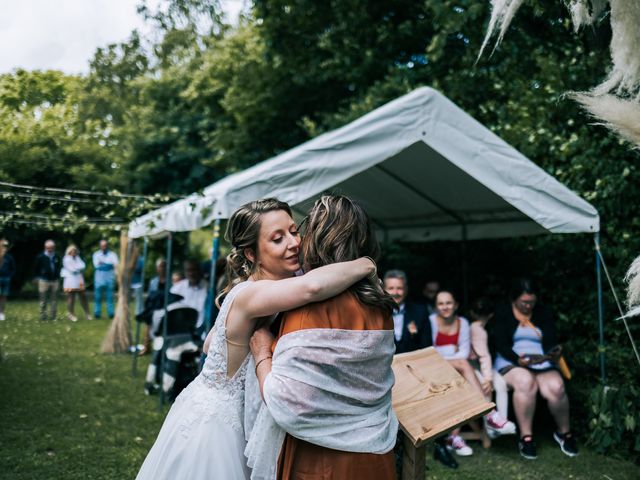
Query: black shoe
pixel 527 447
pixel 443 455
pixel 567 443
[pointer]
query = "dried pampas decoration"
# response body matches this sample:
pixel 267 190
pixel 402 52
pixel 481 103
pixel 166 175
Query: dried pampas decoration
pixel 621 116
pixel 633 290
pixel 624 79
pixel 118 339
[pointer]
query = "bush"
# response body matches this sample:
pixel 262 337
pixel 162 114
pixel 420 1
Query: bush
pixel 615 421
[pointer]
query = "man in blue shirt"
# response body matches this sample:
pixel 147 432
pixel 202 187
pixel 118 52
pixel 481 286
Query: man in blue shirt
pixel 105 262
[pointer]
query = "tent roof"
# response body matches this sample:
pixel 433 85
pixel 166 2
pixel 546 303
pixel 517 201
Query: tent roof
pixel 422 168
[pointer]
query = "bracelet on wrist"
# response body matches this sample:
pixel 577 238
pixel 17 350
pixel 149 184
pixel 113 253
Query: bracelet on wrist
pixel 260 361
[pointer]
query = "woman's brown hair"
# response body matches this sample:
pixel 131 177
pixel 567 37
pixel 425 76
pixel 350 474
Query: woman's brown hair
pixel 243 231
pixel 339 230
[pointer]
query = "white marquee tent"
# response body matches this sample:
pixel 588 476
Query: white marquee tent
pixel 423 169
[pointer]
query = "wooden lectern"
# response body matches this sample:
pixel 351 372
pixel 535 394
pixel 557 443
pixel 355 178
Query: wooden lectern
pixel 430 398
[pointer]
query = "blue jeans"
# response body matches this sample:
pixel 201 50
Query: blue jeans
pixel 99 290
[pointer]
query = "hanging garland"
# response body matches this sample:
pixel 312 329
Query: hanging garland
pixel 67 210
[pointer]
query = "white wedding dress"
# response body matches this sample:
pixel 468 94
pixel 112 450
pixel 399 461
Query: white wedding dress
pixel 203 434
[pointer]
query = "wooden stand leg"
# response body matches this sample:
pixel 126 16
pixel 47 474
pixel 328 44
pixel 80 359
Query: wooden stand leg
pixel 413 460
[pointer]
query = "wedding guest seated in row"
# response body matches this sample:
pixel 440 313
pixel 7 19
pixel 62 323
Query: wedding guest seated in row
pixel 451 339
pixel 429 292
pixel 527 356
pixel 481 312
pixel 410 320
pixel 193 290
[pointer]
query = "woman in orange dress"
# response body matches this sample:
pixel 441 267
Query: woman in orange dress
pixel 328 380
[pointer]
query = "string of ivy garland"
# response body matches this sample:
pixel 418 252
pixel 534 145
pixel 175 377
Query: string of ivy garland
pixel 72 210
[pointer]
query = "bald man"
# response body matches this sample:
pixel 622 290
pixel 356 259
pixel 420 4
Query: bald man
pixel 47 273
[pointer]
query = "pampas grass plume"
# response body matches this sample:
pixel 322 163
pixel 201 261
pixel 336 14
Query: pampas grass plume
pixel 620 115
pixel 633 280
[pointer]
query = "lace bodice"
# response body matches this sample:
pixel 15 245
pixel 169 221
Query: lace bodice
pixel 212 393
pixel 215 368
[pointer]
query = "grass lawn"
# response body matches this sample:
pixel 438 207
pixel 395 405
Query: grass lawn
pixel 69 412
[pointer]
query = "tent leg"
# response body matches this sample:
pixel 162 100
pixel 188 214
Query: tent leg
pixel 215 247
pixel 465 269
pixel 601 349
pixel 165 322
pixel 126 280
pixel 134 367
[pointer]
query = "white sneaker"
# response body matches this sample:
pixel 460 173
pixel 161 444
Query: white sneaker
pixel 72 317
pixel 2 318
pixel 497 425
pixel 456 443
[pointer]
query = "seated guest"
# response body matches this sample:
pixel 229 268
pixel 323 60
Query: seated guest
pixel 525 337
pixel 429 292
pixel 176 276
pixel 410 320
pixel 481 313
pixel 451 339
pixel 157 282
pixel 185 343
pixel 193 290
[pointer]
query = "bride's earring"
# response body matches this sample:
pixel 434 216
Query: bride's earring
pixel 246 268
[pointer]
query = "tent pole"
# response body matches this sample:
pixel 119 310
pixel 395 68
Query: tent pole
pixel 215 247
pixel 465 267
pixel 601 348
pixel 126 284
pixel 165 323
pixel 140 298
pixel 134 368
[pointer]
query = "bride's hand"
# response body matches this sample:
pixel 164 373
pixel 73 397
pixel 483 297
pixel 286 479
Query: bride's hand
pixel 261 342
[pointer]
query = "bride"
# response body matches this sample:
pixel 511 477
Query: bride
pixel 203 436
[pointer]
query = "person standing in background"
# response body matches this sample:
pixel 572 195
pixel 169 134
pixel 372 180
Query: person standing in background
pixel 73 282
pixel 105 262
pixel 7 270
pixel 47 273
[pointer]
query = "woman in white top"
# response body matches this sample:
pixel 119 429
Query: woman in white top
pixel 73 282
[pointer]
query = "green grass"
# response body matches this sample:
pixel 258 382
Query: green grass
pixel 69 412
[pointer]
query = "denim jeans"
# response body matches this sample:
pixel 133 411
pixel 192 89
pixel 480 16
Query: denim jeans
pixel 100 290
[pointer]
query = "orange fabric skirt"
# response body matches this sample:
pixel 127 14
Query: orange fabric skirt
pixel 300 460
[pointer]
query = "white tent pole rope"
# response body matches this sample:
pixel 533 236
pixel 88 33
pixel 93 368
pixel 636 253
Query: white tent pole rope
pixel 626 325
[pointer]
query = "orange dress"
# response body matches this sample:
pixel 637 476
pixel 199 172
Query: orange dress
pixel 300 460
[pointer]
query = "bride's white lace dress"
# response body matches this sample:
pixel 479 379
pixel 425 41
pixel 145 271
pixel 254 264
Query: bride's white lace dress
pixel 203 435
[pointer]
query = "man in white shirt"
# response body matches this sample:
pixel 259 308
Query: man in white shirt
pixel 192 289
